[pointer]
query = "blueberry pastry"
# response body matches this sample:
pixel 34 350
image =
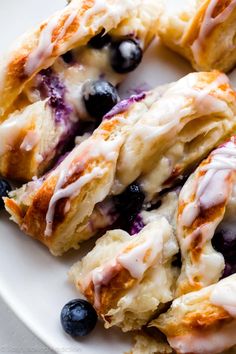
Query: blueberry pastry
pixel 206 221
pixel 203 321
pixel 203 31
pixel 127 278
pixel 144 145
pixel 63 75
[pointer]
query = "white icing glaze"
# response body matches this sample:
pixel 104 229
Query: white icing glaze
pixel 224 295
pixel 102 276
pixel 190 213
pixel 9 130
pixel 15 126
pixel 158 130
pixel 136 256
pixel 138 259
pixel 102 14
pixel 30 141
pixel 205 342
pixel 107 149
pixel 208 24
pixel 70 191
pixel 46 45
pixel 213 187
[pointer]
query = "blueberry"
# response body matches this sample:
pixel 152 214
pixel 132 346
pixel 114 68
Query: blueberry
pixel 53 88
pixel 230 268
pixel 68 57
pixel 224 241
pixel 137 225
pixel 99 97
pixel 78 318
pixel 5 188
pixel 129 204
pixel 100 40
pixel 126 55
pixel 177 262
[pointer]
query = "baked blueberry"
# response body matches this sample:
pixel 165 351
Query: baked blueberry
pixel 5 188
pixel 126 55
pixel 78 318
pixel 137 225
pixel 68 57
pixel 99 97
pixel 100 40
pixel 230 268
pixel 53 88
pixel 224 241
pixel 128 205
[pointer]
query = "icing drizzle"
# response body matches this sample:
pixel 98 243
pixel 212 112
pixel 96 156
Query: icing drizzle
pixel 137 258
pixel 208 24
pixel 110 17
pixel 82 154
pixel 223 295
pixel 46 45
pixel 213 187
pixel 71 189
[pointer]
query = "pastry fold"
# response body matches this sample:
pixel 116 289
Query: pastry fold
pixel 127 278
pixel 203 321
pixel 42 77
pixel 205 220
pixel 152 139
pixel 192 115
pixel 203 31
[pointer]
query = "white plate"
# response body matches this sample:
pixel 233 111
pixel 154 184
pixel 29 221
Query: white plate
pixel 33 282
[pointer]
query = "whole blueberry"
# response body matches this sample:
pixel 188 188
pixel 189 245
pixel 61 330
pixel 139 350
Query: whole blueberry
pixel 68 57
pixel 99 97
pixel 224 241
pixel 126 55
pixel 128 205
pixel 230 268
pixel 100 40
pixel 78 318
pixel 5 188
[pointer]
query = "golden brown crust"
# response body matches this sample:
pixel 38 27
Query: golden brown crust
pixel 205 216
pixel 24 171
pixel 32 218
pixel 111 293
pixel 123 127
pixel 195 234
pixel 197 32
pixel 14 76
pixel 202 318
pixel 195 321
pixel 71 27
pixel 20 89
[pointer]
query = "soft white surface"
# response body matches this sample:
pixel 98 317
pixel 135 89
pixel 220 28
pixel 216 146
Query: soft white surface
pixel 33 282
pixel 15 337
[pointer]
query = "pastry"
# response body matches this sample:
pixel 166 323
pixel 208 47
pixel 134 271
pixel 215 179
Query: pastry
pixel 203 321
pixel 127 279
pixel 176 132
pixel 63 74
pixel 203 31
pixel 150 140
pixel 144 343
pixel 205 220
